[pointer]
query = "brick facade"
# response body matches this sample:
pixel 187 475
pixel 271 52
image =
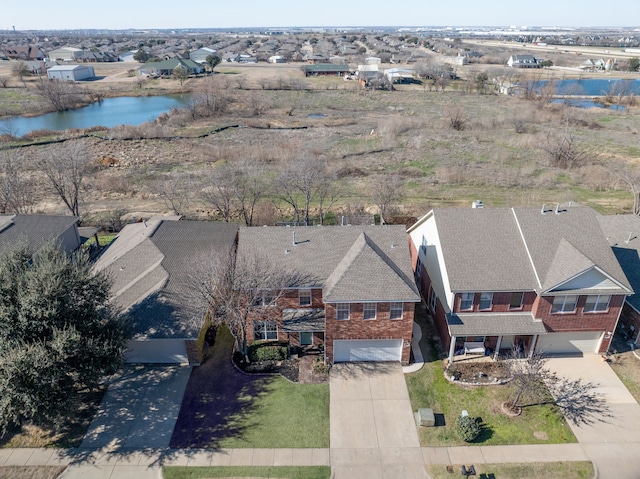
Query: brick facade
pixel 380 328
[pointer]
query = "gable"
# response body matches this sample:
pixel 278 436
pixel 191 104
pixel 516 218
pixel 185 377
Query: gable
pixel 592 279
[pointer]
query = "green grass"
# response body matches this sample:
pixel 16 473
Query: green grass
pixel 105 239
pixel 547 470
pixel 289 472
pixel 284 415
pixel 429 388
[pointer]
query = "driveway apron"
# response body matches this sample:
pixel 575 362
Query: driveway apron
pixel 139 409
pixel 373 431
pixel 612 441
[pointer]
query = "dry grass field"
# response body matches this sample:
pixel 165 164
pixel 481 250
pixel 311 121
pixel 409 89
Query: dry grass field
pixel 277 116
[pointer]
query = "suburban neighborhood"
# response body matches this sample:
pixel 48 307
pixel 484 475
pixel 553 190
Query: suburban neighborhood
pixel 319 252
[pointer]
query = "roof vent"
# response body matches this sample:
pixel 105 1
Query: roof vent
pixel 557 208
pixel 544 209
pixel 294 238
pixel 477 204
pixel 631 237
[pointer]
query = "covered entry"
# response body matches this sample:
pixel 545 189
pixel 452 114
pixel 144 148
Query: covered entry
pixel 570 343
pixel 367 350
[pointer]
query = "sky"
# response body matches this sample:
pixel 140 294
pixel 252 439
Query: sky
pixel 165 14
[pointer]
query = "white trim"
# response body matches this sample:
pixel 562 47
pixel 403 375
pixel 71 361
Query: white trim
pixel 621 286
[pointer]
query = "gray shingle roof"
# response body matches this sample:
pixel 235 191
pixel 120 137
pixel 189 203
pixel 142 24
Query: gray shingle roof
pixel 623 234
pixel 351 263
pixel 487 324
pixel 34 230
pixel 149 263
pixel 521 249
pixel 483 250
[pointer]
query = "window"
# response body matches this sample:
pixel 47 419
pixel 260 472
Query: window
pixel 564 304
pixel 395 310
pixel 516 300
pixel 466 302
pixel 369 311
pixel 597 303
pixel 263 297
pixel 342 311
pixel 304 297
pixel 265 330
pixel 433 301
pixel 486 301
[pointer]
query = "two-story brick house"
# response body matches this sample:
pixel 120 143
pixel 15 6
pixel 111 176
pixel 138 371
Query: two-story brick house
pixel 524 278
pixel 360 301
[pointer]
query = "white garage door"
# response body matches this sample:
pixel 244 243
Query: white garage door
pixel 367 350
pixel 570 343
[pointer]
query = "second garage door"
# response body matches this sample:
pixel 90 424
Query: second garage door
pixel 367 350
pixel 570 343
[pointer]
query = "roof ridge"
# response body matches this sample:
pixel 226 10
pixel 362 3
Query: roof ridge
pixel 565 247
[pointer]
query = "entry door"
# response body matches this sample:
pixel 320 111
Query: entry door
pixel 306 338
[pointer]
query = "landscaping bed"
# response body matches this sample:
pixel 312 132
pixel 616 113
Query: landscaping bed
pixel 478 373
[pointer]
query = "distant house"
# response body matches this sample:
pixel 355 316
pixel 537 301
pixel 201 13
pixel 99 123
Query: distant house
pixel 24 52
pixel 39 67
pixel 149 264
pixel 94 57
pixel 166 67
pixel 70 72
pixel 523 61
pixel 366 73
pixel 200 55
pixel 326 69
pixel 372 61
pixel 67 54
pixel 277 59
pixel 36 230
pixel 399 75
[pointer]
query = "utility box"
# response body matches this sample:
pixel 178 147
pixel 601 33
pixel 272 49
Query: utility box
pixel 425 417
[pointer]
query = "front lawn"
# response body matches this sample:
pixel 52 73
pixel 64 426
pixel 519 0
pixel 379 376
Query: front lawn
pixel 546 470
pixel 225 408
pixel 289 472
pixel 429 389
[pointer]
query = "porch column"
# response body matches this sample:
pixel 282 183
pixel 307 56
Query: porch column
pixel 495 355
pixel 452 349
pixel 533 344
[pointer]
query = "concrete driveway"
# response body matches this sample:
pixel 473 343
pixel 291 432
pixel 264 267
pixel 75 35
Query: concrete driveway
pixel 613 443
pixel 373 431
pixel 139 409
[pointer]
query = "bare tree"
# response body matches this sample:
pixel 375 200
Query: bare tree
pixel 298 184
pixel 175 189
pixel 235 191
pixel 67 166
pixel 235 292
pixel 457 117
pixel 211 97
pixel 386 190
pixel 563 148
pixel 180 73
pixel 329 191
pixel 17 189
pixel 62 95
pixel 631 176
pixel 20 70
pixel 4 81
pixel 534 383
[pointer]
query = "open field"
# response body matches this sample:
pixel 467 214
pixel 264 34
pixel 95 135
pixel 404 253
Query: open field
pixel 497 154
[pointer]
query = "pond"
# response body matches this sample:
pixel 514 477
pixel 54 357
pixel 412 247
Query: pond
pixel 126 110
pixel 587 87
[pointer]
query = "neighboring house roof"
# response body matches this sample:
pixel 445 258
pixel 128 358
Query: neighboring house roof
pixel 326 68
pixel 477 324
pixel 524 249
pixel 623 234
pixel 149 264
pixel 524 59
pixel 172 64
pixel 350 263
pixel 67 68
pixel 34 230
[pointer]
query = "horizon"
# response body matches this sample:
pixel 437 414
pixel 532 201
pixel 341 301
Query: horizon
pixel 287 14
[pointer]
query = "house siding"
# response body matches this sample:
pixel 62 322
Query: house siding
pixel 380 328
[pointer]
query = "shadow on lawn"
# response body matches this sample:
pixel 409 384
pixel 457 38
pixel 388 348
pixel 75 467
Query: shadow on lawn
pixel 216 396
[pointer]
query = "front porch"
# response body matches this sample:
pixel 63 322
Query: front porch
pixel 304 328
pixel 487 336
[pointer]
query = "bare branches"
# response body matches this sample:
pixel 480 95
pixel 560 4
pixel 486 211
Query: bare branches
pixel 62 95
pixel 17 190
pixel 563 148
pixel 386 191
pixel 631 176
pixel 176 191
pixel 578 400
pixel 66 166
